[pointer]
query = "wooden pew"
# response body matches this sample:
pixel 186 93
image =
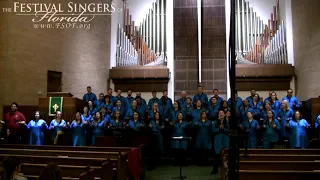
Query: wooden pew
pixel 274 174
pixel 121 165
pixel 79 161
pixel 279 157
pixel 280 165
pixel 278 151
pixel 66 170
pixel 90 175
pixel 34 177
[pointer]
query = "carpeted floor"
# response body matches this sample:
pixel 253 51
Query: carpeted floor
pixel 167 172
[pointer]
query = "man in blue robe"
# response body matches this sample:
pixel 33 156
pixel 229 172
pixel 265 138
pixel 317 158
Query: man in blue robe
pixel 129 99
pixel 200 96
pixel 216 95
pixel 100 102
pixel 141 108
pixel 90 96
pixel 168 100
pixel 122 99
pixel 183 100
pixel 112 98
pixel 250 98
pixel 293 101
pixel 143 101
pixel 153 100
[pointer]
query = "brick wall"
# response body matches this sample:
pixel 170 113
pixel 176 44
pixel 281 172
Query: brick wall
pixel 306 38
pixel 27 53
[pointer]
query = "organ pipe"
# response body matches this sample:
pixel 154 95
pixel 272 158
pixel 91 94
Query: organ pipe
pixel 257 42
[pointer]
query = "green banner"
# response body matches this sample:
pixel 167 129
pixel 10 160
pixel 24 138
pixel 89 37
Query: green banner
pixel 55 104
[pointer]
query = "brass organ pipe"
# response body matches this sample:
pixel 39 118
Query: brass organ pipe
pixel 162 27
pixel 154 27
pixel 158 27
pixel 243 39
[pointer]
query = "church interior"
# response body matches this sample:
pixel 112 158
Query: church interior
pixel 159 89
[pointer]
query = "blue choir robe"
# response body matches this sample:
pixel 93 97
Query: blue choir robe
pixel 292 100
pixel 57 127
pixel 268 99
pixel 129 101
pixel 37 128
pixel 202 97
pixel 92 112
pixel 78 133
pixel 204 131
pixel 167 104
pixel 285 117
pixel 98 104
pixel 256 109
pixel 106 118
pixel 252 128
pixel 174 114
pixel 129 114
pixel 250 99
pixel 264 114
pixel 182 102
pixel 239 104
pixel 136 125
pixel 195 114
pixel 213 111
pixel 122 112
pixel 179 129
pixel 317 122
pixel 221 138
pixel 109 107
pixel 97 130
pixel 142 109
pixel 86 118
pixel 165 112
pixel 123 101
pixel 275 107
pixel 152 101
pixel 111 99
pixel 243 114
pixel 219 101
pixel 298 133
pixel 188 109
pixel 156 129
pixel 116 124
pixel 143 101
pixel 271 134
pixel 89 97
pixel 151 115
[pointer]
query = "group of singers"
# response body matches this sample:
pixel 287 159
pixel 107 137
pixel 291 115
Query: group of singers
pixel 265 121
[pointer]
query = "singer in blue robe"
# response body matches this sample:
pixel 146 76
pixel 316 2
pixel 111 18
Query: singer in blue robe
pixel 256 106
pixel 214 107
pixel 317 122
pixel 56 125
pixel 142 109
pixel 204 130
pixel 271 127
pixel 98 126
pixel 221 137
pixel 152 101
pixel 120 108
pixel 108 104
pixel 243 112
pixel 156 127
pixel 78 132
pixel 99 102
pixel 298 131
pixel 135 124
pixel 116 123
pixel 284 116
pixel 180 128
pixel 251 126
pixel 200 96
pixel 37 128
pixel 293 101
pixel 165 112
pixel 195 114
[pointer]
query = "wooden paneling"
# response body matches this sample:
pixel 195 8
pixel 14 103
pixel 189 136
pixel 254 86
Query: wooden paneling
pixel 214 73
pixel 262 83
pixel 139 72
pixel 185 45
pixel 140 78
pixel 264 70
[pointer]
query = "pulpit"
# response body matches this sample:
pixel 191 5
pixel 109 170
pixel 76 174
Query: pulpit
pixel 60 101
